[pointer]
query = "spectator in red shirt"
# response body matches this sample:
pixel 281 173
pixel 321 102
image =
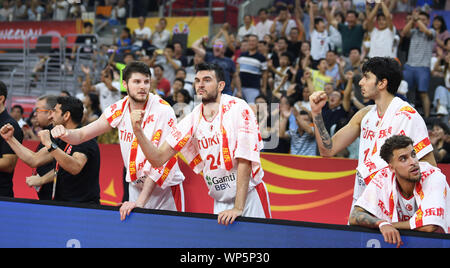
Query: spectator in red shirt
pixel 163 85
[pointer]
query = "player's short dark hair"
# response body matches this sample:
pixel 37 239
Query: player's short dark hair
pixel 385 68
pixel 220 75
pixel 136 67
pixel 73 105
pixel 394 143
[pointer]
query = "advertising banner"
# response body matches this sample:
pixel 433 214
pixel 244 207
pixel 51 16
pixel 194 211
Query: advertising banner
pixel 13 34
pixel 311 189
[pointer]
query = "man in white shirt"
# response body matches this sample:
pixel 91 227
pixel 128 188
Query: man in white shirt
pixel 108 90
pixel 282 24
pixel 60 10
pixel 381 38
pixel 6 11
pixel 246 29
pixel 161 36
pixel 141 34
pixel 263 26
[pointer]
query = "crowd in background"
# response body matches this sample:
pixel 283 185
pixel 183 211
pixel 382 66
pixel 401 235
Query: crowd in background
pixel 274 61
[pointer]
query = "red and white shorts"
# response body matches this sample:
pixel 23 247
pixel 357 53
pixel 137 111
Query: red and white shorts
pixel 256 206
pixel 170 198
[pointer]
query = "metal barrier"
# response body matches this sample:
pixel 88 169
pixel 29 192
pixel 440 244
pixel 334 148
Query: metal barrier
pixel 40 64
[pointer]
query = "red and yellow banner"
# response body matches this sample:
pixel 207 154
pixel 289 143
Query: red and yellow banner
pixel 313 189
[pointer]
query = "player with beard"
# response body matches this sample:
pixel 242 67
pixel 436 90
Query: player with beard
pixel 149 187
pixel 220 138
pixel 375 123
pixel 407 194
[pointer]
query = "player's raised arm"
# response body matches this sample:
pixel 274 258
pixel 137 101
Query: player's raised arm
pixel 80 135
pixel 330 146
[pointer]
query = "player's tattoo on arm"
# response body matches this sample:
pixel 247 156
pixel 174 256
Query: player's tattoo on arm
pixel 324 135
pixel 361 217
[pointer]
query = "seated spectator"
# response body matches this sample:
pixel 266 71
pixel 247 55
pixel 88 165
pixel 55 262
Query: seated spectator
pixel 20 10
pixel 124 41
pixel 282 74
pixel 168 62
pixel 92 110
pixel 7 10
pixel 440 138
pixel 60 10
pixel 178 54
pixel 142 35
pixel 441 100
pixel 301 133
pixel 264 24
pixel 76 10
pixel 35 11
pixel 31 128
pixel 246 29
pixel 119 13
pixel 160 38
pixel 162 84
pixel 87 40
pixel 177 86
pixel 183 105
pixel 17 113
pixel 442 34
pixel 218 57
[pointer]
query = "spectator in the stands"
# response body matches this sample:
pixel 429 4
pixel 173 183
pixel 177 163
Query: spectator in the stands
pixel 252 72
pixel 381 37
pixel 442 34
pixel 20 10
pixel 218 57
pixel 17 113
pixel 124 41
pixel 246 29
pixel 162 84
pixel 352 32
pixel 282 24
pixel 35 10
pixel 76 10
pixel 318 35
pixel 169 63
pixel 142 34
pixel 263 26
pixel 7 10
pixel 416 71
pixel 60 9
pixel 119 12
pixel 178 51
pixel 160 38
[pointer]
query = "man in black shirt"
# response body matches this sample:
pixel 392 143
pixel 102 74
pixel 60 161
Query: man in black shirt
pixel 76 167
pixel 45 106
pixel 8 158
